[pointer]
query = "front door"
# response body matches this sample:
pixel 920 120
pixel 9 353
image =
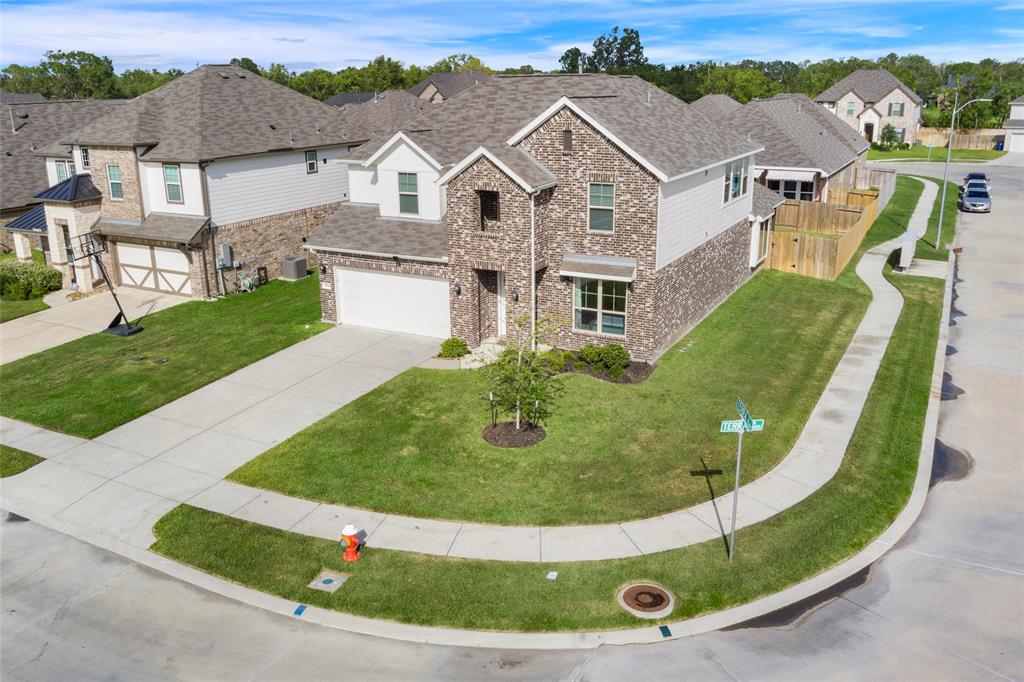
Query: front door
pixel 501 304
pixel 869 132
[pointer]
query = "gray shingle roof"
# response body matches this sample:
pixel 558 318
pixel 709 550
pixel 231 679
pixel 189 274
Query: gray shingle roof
pixel 870 85
pixel 1019 100
pixel 668 133
pixel 343 98
pixel 20 97
pixel 449 83
pixel 796 134
pixel 214 112
pixel 764 201
pixel 359 228
pixel 22 171
pixel 76 188
pixel 163 227
pixel 382 115
pixel 715 105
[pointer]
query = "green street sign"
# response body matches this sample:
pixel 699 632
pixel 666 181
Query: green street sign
pixel 737 425
pixel 742 409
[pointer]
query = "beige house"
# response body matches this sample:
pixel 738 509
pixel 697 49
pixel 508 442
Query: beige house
pixel 870 99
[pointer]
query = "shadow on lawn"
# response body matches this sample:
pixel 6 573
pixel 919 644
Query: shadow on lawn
pixel 707 474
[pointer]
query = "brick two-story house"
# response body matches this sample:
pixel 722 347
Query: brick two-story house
pixel 599 200
pixel 870 99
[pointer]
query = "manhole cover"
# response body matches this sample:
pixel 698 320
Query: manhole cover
pixel 328 581
pixel 646 600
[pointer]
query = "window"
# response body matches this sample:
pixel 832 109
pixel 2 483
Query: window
pixel 895 108
pixel 114 181
pixel 902 133
pixel 763 240
pixel 489 210
pixel 172 183
pixel 85 157
pixel 849 108
pixel 600 306
pixel 602 207
pixel 566 141
pixel 311 162
pixel 65 169
pixel 794 189
pixel 830 105
pixel 408 197
pixel 735 180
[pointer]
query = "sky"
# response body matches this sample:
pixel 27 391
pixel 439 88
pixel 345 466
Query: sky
pixel 333 34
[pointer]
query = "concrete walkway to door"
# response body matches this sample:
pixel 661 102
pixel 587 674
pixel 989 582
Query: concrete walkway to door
pixel 69 321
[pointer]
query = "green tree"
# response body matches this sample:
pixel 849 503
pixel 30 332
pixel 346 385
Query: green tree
pixel 573 60
pixel 383 73
pixel 317 83
pixel 460 62
pixel 247 64
pixel 135 82
pixel 614 52
pixel 279 74
pixel 523 384
pixel 889 138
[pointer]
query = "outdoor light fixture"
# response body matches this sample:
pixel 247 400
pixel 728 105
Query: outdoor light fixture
pixel 323 269
pixel 515 295
pixel 458 289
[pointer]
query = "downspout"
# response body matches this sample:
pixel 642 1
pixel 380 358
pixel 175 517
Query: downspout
pixel 533 271
pixel 210 231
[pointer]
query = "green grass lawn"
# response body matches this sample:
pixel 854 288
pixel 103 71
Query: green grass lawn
pixel 11 310
pixel 96 383
pixel 921 153
pixel 926 247
pixel 14 461
pixel 834 523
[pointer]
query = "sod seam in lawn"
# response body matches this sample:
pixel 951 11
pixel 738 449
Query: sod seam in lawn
pixel 871 487
pixel 96 383
pixel 14 461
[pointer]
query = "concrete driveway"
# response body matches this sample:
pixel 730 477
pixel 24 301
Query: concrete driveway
pixel 69 321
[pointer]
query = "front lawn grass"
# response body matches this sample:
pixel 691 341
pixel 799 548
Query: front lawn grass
pixel 869 490
pixel 938 154
pixel 14 461
pixel 927 246
pixel 13 309
pixel 96 383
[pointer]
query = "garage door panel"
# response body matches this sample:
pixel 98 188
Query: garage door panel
pixel 134 254
pixel 153 267
pixel 395 302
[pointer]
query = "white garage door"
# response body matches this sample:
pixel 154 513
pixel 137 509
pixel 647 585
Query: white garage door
pixel 1015 142
pixel 153 267
pixel 399 303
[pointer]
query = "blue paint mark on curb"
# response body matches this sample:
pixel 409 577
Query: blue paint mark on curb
pixel 665 632
pixel 298 611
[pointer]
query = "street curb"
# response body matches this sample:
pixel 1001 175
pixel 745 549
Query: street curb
pixel 563 640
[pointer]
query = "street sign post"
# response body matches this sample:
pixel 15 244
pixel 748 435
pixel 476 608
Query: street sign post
pixel 742 425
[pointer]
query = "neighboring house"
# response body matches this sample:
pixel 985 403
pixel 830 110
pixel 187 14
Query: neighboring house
pixel 20 97
pixel 383 113
pixel 713 106
pixel 600 200
pixel 343 98
pixel 806 148
pixel 1014 127
pixel 870 99
pixel 439 87
pixel 219 157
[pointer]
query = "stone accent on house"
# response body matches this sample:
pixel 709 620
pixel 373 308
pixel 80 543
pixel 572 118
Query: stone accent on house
pixel 331 260
pixel 130 207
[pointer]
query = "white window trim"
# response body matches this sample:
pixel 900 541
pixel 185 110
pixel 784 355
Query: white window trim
pixel 600 312
pixel 181 189
pixel 110 183
pixel 761 234
pixel 409 194
pixel 744 181
pixel 84 151
pixel 601 208
pixel 315 168
pixel 68 166
pixel 850 108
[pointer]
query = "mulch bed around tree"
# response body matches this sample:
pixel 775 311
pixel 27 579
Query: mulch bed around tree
pixel 505 435
pixel 634 374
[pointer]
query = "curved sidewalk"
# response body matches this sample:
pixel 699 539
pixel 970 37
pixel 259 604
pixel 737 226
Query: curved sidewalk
pixel 813 461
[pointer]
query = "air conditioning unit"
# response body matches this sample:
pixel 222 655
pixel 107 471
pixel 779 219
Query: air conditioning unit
pixel 293 267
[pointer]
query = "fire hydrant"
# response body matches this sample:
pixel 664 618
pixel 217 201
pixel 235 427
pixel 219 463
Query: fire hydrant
pixel 351 541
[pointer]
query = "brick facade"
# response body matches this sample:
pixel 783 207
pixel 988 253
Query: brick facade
pixel 130 207
pixel 328 297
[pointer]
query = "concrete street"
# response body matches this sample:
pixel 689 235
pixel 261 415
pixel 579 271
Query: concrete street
pixel 947 603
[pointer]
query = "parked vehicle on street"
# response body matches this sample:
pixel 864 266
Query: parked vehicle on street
pixel 972 185
pixel 976 200
pixel 971 177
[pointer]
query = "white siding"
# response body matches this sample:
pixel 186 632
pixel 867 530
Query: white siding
pixel 404 159
pixel 363 187
pixel 51 171
pixel 268 184
pixel 154 196
pixel 690 212
pixel 1017 111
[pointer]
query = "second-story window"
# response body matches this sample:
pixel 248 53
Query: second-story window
pixel 85 157
pixel 489 209
pixel 65 169
pixel 895 108
pixel 172 183
pixel 114 181
pixel 849 108
pixel 311 166
pixel 566 141
pixel 602 207
pixel 735 180
pixel 408 195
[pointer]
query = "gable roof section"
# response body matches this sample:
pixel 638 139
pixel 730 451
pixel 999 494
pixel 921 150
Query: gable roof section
pixel 870 85
pixel 764 201
pixel 449 83
pixel 76 188
pixel 382 114
pixel 217 111
pixel 20 97
pixel 515 162
pixel 846 134
pixel 715 105
pixel 37 125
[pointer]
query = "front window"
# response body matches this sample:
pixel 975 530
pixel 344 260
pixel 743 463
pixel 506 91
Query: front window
pixel 794 189
pixel 408 195
pixel 114 181
pixel 172 183
pixel 600 306
pixel 735 180
pixel 849 108
pixel 85 157
pixel 490 212
pixel 896 108
pixel 311 166
pixel 901 132
pixel 602 207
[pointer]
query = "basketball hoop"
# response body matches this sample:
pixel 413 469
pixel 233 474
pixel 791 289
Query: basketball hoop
pixel 85 246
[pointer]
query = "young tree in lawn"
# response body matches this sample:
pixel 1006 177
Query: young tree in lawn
pixel 522 382
pixel 890 138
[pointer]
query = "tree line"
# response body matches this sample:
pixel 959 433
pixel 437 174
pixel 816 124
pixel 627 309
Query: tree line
pixel 75 75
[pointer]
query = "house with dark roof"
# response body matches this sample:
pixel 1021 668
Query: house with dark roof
pixel 215 173
pixel 343 98
pixel 869 99
pixel 806 149
pixel 439 87
pixel 597 200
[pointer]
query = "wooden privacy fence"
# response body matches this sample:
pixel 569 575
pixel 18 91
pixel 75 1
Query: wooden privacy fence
pixel 979 138
pixel 870 177
pixel 818 240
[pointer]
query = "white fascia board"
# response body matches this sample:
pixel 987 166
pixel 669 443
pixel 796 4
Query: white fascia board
pixel 355 252
pixel 716 164
pixel 566 102
pixel 589 275
pixel 473 156
pixel 395 139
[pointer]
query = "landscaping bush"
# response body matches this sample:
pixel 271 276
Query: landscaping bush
pixel 590 354
pixel 22 281
pixel 615 359
pixel 453 348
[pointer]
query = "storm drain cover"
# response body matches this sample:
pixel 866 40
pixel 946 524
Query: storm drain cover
pixel 646 600
pixel 328 580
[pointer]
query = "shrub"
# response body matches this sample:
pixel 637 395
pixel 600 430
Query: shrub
pixel 22 281
pixel 590 354
pixel 615 358
pixel 453 348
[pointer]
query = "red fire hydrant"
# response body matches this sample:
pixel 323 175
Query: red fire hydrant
pixel 351 542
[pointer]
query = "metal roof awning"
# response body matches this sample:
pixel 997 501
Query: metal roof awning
pixel 791 174
pixel 159 227
pixel 614 268
pixel 33 220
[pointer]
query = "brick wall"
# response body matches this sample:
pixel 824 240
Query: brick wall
pixel 130 207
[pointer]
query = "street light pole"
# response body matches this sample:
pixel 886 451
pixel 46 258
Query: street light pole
pixel 949 152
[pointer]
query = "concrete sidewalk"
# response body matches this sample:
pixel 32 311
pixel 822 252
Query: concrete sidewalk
pixel 69 321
